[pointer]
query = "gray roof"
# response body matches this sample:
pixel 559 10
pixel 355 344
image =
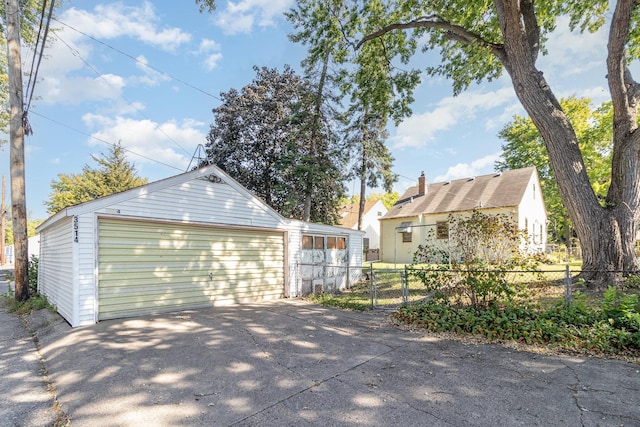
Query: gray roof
pixel 495 190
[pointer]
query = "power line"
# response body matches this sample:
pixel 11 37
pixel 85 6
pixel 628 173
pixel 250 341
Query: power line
pixel 33 74
pixel 75 52
pixel 105 141
pixel 139 61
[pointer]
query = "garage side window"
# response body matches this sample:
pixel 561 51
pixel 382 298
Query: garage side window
pixel 318 242
pixel 307 242
pixel 332 243
pixel 342 243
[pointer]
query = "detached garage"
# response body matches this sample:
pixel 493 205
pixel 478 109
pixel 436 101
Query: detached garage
pixel 193 240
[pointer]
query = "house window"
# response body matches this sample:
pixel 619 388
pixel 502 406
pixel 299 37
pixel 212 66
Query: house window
pixel 365 243
pixel 405 229
pixel 318 242
pixel 442 230
pixel 307 242
pixel 332 243
pixel 342 243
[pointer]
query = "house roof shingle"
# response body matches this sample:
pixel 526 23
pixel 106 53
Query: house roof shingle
pixel 495 190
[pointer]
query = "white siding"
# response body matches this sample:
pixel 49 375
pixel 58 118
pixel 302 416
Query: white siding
pixel 533 216
pixel 85 270
pixel 371 224
pixel 55 268
pixel 70 270
pixel 195 201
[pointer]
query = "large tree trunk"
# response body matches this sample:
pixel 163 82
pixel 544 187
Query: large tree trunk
pixel 606 233
pixel 315 135
pixel 363 189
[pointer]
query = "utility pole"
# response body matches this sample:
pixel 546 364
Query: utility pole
pixel 2 222
pixel 16 140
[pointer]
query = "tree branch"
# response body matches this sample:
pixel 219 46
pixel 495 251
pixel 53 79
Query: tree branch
pixel 531 27
pixel 621 84
pixel 453 32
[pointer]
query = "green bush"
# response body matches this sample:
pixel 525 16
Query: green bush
pixel 613 328
pixel 32 274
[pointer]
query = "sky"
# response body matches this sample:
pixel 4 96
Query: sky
pixel 148 74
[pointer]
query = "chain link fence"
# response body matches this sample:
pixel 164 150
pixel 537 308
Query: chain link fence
pixel 390 288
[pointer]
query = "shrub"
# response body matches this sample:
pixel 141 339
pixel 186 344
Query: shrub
pixel 32 274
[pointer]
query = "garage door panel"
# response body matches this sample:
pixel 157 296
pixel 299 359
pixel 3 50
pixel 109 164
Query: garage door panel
pixel 140 281
pixel 148 267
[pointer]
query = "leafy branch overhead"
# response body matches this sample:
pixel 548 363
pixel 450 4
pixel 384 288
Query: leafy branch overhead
pixel 476 41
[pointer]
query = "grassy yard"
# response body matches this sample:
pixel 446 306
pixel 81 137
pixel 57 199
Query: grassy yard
pixel 382 287
pixel 592 323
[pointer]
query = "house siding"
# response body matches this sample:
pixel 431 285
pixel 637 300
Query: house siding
pixel 187 199
pixel 533 217
pixel 55 270
pixel 210 203
pixel 423 229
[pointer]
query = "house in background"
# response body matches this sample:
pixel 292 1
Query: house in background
pixel 373 211
pixel 196 239
pixel 422 213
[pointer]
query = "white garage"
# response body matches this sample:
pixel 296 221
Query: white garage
pixel 193 240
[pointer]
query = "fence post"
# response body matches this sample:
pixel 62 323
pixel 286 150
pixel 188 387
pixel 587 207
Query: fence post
pixel 372 285
pixel 405 286
pixel 348 284
pixel 567 286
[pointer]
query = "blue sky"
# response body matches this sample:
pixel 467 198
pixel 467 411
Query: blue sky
pixel 148 74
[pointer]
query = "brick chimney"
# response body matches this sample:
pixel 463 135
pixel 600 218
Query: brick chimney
pixel 422 184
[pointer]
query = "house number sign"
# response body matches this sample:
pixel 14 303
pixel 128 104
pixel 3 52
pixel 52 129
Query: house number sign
pixel 75 228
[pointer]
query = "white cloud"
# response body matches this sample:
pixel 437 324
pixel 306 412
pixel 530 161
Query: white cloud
pixel 464 170
pixel 151 77
pixel 74 91
pixel 571 53
pixel 243 15
pixel 208 45
pixel 419 129
pixel 118 20
pixel 211 61
pixel 209 49
pixel 148 142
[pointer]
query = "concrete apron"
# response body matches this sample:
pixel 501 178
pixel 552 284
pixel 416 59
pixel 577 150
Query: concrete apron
pixel 293 363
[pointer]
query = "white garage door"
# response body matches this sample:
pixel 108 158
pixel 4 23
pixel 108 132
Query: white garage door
pixel 146 267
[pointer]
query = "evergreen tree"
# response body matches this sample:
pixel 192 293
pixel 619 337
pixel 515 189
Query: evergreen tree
pixel 113 175
pixel 272 138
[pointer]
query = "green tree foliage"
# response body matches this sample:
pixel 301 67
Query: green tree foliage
pixel 477 40
pixel 388 199
pixel 273 139
pixel 32 224
pixel 524 147
pixel 318 26
pixel 29 24
pixel 113 175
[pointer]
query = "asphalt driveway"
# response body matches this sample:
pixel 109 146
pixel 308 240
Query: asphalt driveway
pixel 290 363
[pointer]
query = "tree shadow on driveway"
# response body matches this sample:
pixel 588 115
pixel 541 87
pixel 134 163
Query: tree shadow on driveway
pixel 293 363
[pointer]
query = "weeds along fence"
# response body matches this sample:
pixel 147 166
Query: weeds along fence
pixel 390 288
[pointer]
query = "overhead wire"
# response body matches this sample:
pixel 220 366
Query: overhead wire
pixel 76 53
pixel 139 61
pixel 105 141
pixel 41 41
